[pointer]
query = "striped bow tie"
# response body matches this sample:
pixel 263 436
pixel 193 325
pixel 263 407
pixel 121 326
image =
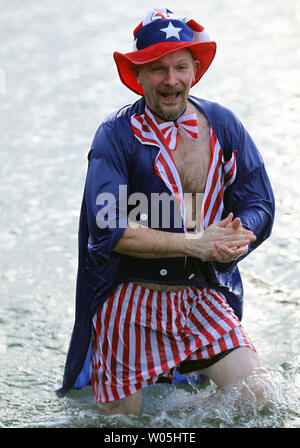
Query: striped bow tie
pixel 186 123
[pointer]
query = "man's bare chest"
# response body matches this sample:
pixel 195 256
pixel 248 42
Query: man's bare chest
pixel 192 159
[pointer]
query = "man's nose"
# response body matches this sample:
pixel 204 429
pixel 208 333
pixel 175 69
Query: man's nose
pixel 170 77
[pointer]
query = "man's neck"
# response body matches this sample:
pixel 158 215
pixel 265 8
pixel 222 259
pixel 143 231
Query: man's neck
pixel 160 119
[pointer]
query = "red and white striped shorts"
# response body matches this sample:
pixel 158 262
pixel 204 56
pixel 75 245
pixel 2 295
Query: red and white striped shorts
pixel 139 335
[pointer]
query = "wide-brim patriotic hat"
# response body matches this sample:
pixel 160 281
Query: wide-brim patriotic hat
pixel 161 33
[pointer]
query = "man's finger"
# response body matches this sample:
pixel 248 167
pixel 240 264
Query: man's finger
pixel 224 222
pixel 236 223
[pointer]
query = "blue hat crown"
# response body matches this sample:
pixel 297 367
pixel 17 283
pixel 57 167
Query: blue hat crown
pixel 160 31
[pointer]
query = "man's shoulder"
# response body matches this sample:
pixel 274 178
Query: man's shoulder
pixel 115 129
pixel 217 114
pixel 123 114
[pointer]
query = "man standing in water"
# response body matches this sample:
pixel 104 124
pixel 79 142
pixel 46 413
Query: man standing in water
pixel 158 286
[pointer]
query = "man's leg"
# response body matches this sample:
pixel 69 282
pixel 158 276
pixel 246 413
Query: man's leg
pixel 128 405
pixel 239 365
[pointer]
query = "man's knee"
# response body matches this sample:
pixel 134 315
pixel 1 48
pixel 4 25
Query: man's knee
pixel 128 405
pixel 233 367
pixel 241 368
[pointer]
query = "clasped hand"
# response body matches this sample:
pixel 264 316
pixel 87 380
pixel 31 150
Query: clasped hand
pixel 224 241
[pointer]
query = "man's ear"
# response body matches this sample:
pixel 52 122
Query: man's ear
pixel 196 67
pixel 136 70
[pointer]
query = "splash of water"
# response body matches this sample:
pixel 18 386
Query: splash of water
pixel 261 400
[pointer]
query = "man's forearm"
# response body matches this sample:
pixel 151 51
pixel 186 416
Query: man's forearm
pixel 220 242
pixel 143 242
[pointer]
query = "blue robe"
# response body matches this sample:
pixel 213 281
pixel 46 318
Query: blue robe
pixel 118 158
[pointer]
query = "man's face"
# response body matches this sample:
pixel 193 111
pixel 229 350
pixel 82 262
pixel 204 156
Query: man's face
pixel 167 82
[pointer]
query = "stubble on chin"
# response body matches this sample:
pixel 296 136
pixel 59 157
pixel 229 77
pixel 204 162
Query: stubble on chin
pixel 168 111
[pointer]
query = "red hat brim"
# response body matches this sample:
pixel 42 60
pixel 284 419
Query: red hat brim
pixel 204 52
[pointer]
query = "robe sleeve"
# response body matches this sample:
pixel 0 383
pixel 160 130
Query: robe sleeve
pixel 107 176
pixel 251 196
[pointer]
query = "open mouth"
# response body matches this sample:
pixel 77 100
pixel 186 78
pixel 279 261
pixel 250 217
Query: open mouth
pixel 170 97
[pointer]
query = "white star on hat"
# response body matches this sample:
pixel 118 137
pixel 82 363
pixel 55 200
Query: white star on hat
pixel 171 31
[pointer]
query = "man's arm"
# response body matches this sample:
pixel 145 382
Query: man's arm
pixel 223 241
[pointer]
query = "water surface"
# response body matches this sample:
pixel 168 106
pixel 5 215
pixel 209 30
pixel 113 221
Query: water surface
pixel 58 82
